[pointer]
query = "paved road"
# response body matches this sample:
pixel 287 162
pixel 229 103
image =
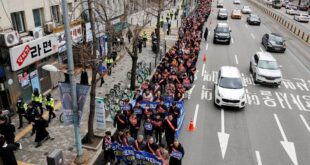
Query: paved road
pixel 274 127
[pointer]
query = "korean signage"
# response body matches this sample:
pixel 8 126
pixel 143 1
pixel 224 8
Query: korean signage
pixel 99 27
pixel 30 52
pixel 100 113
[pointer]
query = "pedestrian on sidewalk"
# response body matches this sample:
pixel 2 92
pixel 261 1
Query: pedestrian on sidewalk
pixel 171 14
pixel 49 104
pixel 140 43
pixel 108 152
pixel 21 108
pixel 114 55
pixel 8 131
pixel 37 99
pixel 206 34
pixel 144 37
pixel 129 35
pixel 40 125
pixel 109 61
pixel 176 13
pixel 176 151
pixel 84 77
pixel 7 152
pixel 101 70
pixel 167 17
pixel 169 28
pixel 161 21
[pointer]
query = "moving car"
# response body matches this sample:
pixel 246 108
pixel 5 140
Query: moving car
pixel 220 4
pixel 277 4
pixel 253 19
pixel 229 89
pixel 222 14
pixel 236 14
pixel 302 17
pixel 222 33
pixel 265 69
pixel 274 42
pixel 292 10
pixel 236 2
pixel 246 10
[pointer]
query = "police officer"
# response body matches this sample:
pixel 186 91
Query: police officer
pixel 109 61
pixel 21 108
pixel 37 100
pixel 144 37
pixel 161 21
pixel 171 14
pixel 32 112
pixel 49 104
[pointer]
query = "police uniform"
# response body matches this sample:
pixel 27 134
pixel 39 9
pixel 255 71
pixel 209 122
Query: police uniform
pixel 109 61
pixel 21 108
pixel 37 100
pixel 49 104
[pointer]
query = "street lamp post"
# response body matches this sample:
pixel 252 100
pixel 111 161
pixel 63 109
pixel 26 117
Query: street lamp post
pixel 76 124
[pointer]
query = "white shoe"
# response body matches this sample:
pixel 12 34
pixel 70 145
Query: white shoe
pixel 20 146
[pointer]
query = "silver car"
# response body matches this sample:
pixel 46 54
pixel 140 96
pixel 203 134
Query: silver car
pixel 265 69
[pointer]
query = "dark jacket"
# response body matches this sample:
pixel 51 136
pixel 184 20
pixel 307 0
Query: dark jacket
pixel 40 128
pixel 176 155
pixel 7 154
pixel 8 131
pixel 120 121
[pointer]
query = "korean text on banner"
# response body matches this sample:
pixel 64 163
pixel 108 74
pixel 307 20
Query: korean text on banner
pixel 100 113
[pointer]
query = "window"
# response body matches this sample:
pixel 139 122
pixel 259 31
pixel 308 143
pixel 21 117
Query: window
pixel 70 7
pixel 37 16
pixel 55 13
pixel 18 21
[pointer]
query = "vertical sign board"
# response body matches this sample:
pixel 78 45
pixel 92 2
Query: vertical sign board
pixel 35 82
pixel 100 114
pixel 33 51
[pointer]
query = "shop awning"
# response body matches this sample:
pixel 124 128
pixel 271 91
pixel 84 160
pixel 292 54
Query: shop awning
pixel 119 26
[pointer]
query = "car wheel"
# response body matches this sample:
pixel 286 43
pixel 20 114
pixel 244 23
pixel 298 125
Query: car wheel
pixel 251 70
pixel 214 41
pixel 214 98
pixel 254 78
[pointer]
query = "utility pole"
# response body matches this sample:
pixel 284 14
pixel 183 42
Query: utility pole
pixel 76 119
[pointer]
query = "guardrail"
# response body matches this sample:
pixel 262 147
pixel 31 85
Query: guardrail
pixel 300 32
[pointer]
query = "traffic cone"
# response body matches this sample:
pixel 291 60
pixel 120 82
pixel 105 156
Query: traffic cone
pixel 204 58
pixel 191 126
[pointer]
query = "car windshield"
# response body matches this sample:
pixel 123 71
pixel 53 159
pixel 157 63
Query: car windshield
pixel 223 10
pixel 222 29
pixel 246 7
pixel 277 39
pixel 272 65
pixel 254 16
pixel 230 83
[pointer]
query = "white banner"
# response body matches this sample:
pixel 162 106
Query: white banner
pixel 33 51
pixel 100 114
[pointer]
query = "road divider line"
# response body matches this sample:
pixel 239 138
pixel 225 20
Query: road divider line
pixel 209 33
pixel 232 40
pixel 252 35
pixel 261 49
pixel 191 91
pixel 236 58
pixel 289 147
pixel 258 158
pixel 202 92
pixel 246 25
pixel 207 46
pixel 305 122
pixel 203 69
pixel 196 114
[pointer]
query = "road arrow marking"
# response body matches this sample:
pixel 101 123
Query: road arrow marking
pixel 259 160
pixel 288 146
pixel 195 115
pixel 203 69
pixel 223 137
pixel 305 122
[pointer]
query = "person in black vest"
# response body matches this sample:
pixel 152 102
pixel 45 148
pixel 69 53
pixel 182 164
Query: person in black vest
pixel 134 125
pixel 158 127
pixel 174 110
pixel 21 108
pixel 151 147
pixel 176 153
pixel 170 126
pixel 109 156
pixel 120 121
pixel 7 152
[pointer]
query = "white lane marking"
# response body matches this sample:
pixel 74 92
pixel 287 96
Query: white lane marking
pixel 203 69
pixel 261 49
pixel 196 114
pixel 232 40
pixel 202 92
pixel 252 35
pixel 288 146
pixel 236 58
pixel 207 46
pixel 305 122
pixel 223 137
pixel 208 33
pixel 246 25
pixel 191 91
pixel 259 160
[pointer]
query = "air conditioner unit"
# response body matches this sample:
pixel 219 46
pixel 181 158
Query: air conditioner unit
pixel 48 28
pixel 37 33
pixel 9 39
pixel 26 39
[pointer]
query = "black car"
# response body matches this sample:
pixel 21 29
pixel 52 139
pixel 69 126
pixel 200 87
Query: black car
pixel 274 42
pixel 222 33
pixel 302 7
pixel 253 20
pixel 222 14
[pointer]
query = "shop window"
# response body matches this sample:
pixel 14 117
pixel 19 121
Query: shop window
pixel 37 16
pixel 18 21
pixel 55 13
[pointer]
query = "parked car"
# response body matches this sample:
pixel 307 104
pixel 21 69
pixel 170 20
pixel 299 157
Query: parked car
pixel 220 4
pixel 289 5
pixel 229 89
pixel 236 14
pixel 236 2
pixel 246 10
pixel 302 7
pixel 284 2
pixel 302 17
pixel 222 33
pixel 222 14
pixel 265 69
pixel 292 10
pixel 274 42
pixel 253 19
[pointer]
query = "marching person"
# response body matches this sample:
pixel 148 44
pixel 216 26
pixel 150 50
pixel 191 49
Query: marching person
pixel 138 110
pixel 162 109
pixel 151 147
pixel 139 144
pixel 21 108
pixel 176 153
pixel 37 99
pixel 206 34
pixel 120 121
pixel 109 156
pixel 148 127
pixel 158 127
pixel 127 108
pixel 40 125
pixel 49 104
pixel 170 126
pixel 134 125
pixel 174 110
pixel 122 139
pixel 163 154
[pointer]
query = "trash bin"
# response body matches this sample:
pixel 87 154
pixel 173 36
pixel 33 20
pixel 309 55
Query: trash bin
pixel 55 158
